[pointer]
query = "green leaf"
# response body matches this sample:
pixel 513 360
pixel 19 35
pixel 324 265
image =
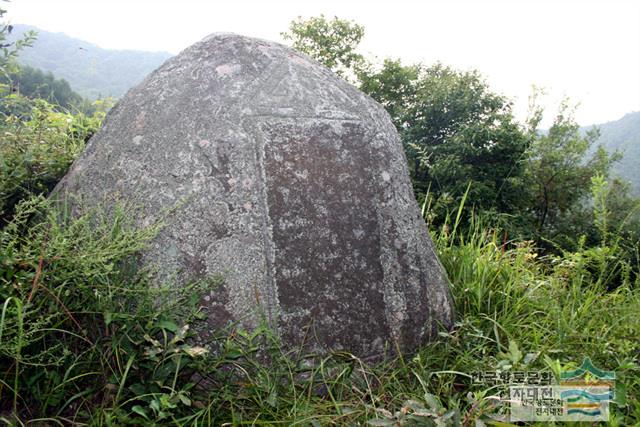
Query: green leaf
pixel 432 401
pixel 415 406
pixel 620 397
pixel 140 411
pixel 272 400
pixel 514 351
pixel 138 389
pixel 168 325
pixel 184 399
pixel 107 318
pixel 233 354
pixel 450 414
pixel 346 410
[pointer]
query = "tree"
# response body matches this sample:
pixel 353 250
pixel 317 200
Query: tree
pixel 393 85
pixel 9 50
pixel 456 132
pixel 333 42
pixel 560 171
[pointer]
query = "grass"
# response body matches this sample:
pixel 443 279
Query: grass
pixel 84 342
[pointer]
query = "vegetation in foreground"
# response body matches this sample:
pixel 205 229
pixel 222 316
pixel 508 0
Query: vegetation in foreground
pixel 85 341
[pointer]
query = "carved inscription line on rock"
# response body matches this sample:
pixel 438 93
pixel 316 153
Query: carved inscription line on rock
pixel 269 289
pixel 256 86
pixel 266 294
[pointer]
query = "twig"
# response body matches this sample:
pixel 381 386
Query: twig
pixel 34 285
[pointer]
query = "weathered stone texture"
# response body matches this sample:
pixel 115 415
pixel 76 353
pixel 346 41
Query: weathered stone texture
pixel 285 179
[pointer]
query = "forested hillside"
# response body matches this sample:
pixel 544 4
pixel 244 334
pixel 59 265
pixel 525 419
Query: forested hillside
pixel 90 70
pixel 34 83
pixel 624 136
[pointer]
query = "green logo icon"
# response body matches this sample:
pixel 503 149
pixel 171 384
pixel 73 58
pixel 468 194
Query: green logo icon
pixel 588 367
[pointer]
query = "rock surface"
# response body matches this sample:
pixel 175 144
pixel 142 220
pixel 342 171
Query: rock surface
pixel 285 179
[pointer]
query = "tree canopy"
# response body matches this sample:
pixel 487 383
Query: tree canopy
pixel 456 132
pixel 9 50
pixel 331 42
pixel 34 83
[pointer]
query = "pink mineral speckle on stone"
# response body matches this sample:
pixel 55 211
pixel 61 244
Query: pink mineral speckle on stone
pixel 227 69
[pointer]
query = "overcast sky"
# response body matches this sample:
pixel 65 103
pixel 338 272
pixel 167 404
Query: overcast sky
pixel 586 50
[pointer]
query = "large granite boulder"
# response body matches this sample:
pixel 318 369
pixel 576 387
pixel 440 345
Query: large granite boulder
pixel 283 178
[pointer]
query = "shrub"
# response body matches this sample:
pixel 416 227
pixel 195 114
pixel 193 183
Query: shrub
pixel 70 301
pixel 37 147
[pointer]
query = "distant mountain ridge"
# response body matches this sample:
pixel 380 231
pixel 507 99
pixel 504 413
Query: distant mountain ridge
pixel 623 135
pixel 90 70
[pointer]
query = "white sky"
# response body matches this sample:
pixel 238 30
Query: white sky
pixel 586 50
